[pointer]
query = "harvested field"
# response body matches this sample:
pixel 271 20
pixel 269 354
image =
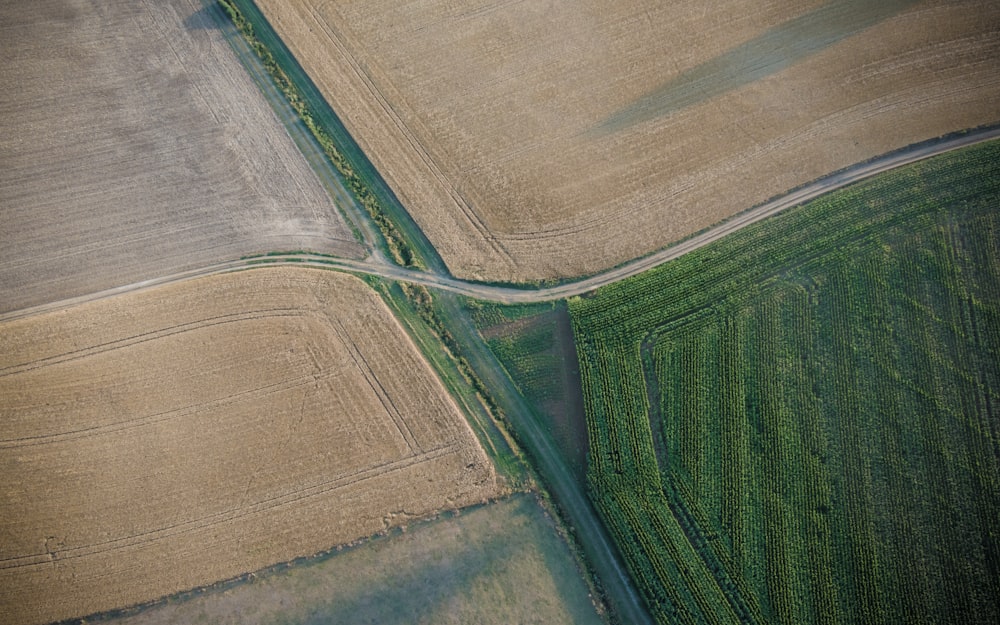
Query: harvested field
pixel 133 144
pixel 169 438
pixel 544 140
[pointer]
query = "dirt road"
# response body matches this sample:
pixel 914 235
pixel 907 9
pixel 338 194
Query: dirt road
pixel 377 266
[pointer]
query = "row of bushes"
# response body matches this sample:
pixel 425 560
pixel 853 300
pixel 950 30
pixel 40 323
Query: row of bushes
pixel 400 250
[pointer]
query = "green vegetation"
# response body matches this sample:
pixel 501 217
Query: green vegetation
pixel 795 424
pixel 534 345
pixel 801 422
pixel 487 314
pixel 423 303
pixel 416 309
pixel 439 323
pixel 322 123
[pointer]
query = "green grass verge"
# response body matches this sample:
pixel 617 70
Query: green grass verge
pixel 534 345
pixel 801 422
pixel 395 225
pixel 414 307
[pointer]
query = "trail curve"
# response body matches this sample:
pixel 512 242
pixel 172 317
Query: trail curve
pixel 378 266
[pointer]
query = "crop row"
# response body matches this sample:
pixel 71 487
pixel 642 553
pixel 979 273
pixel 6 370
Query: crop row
pixel 825 393
pixel 623 464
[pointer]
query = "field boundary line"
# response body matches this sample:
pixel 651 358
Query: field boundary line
pixel 376 386
pixel 513 294
pixel 308 379
pixel 343 45
pixel 259 507
pixel 128 341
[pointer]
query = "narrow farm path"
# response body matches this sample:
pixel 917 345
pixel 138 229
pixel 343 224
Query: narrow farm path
pixel 376 265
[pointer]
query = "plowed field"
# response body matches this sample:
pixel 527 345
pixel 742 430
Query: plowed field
pixel 542 140
pixel 133 144
pixel 169 438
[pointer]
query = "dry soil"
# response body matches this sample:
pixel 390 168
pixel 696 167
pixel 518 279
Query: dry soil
pixel 133 144
pixel 551 139
pixel 169 438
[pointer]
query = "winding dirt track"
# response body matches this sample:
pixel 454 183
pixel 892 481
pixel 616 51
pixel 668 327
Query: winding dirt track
pixel 526 152
pixel 565 488
pixel 377 266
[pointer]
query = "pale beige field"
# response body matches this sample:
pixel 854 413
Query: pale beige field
pixel 133 144
pixel 166 439
pixel 550 139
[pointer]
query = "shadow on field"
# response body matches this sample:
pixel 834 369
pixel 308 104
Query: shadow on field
pixel 205 18
pixel 774 50
pixel 414 594
pixel 427 593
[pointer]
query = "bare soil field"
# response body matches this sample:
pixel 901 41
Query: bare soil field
pixel 501 563
pixel 133 144
pixel 169 438
pixel 545 140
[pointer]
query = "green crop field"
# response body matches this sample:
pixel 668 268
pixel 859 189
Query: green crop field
pixel 799 423
pixel 534 345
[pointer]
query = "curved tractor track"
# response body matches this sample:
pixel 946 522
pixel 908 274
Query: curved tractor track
pixel 376 265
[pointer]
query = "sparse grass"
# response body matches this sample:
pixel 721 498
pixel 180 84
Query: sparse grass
pixel 498 563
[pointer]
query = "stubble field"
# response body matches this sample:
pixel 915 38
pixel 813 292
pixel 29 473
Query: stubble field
pixel 546 140
pixel 133 144
pixel 169 438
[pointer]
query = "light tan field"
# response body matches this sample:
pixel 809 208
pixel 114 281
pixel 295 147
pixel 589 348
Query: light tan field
pixel 550 139
pixel 133 144
pixel 169 438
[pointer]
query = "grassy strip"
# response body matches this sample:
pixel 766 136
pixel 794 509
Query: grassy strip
pixel 413 306
pixel 534 345
pixel 406 301
pixel 397 245
pixel 828 383
pixel 453 313
pixel 423 303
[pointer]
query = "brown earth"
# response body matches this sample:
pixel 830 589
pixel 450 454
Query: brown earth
pixel 133 144
pixel 542 140
pixel 169 438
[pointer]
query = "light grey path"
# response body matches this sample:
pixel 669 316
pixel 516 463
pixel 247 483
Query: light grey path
pixel 134 144
pixel 570 493
pixel 378 266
